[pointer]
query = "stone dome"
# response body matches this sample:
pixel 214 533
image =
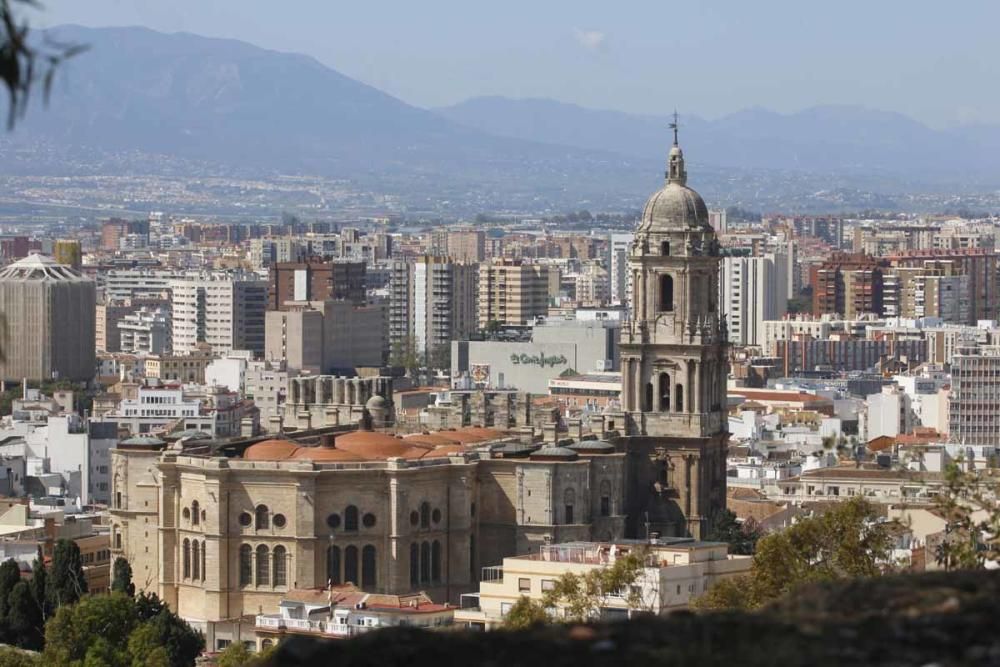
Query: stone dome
pixel 675 207
pixel 554 453
pixel 376 402
pixel 593 447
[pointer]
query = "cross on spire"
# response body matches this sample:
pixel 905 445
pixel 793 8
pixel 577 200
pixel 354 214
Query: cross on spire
pixel 674 126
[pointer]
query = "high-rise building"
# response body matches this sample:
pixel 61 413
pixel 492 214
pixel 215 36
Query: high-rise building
pixel 467 245
pixel 48 311
pixel 322 337
pixel 674 358
pixel 619 278
pixel 849 285
pixel 754 289
pixel 316 281
pixel 226 311
pixel 974 402
pixel 116 231
pixel 512 291
pixel 432 302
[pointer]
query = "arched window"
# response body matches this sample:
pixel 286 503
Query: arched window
pixel 679 398
pixel 262 518
pixel 425 515
pixel 436 561
pixel 569 502
pixel 246 565
pixel 333 565
pixel 280 567
pixel 351 565
pixel 647 403
pixel 266 644
pixel 195 513
pixel 196 561
pixel 368 567
pixel 187 559
pixel 664 392
pixel 605 498
pixel 666 293
pixel 351 518
pixel 425 562
pixel 263 566
pixel 204 561
pixel 414 565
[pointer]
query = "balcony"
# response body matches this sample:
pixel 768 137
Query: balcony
pixel 333 628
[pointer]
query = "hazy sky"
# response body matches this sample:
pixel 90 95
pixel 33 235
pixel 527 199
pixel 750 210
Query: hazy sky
pixel 935 61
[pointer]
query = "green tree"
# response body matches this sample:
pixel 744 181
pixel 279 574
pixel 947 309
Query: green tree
pixel 235 655
pixel 180 641
pixel 67 583
pixel 972 520
pixel 24 618
pixel 847 541
pixel 492 327
pixel 742 538
pixel 12 657
pixel 121 578
pixel 525 613
pixel 440 357
pixel 39 585
pixel 97 627
pixel 10 576
pixel 404 355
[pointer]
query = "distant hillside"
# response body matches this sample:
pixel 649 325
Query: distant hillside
pixel 825 138
pixel 237 104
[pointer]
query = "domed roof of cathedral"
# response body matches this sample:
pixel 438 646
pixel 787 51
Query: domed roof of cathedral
pixel 375 445
pixel 323 454
pixel 270 450
pixel 376 402
pixel 675 206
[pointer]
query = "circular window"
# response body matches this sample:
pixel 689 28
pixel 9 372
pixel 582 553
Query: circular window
pixel 436 516
pixel 186 513
pixel 245 519
pixel 278 520
pixel 414 518
pixel 333 521
pixel 368 520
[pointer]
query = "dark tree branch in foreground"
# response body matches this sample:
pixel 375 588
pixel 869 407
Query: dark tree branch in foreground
pixel 25 63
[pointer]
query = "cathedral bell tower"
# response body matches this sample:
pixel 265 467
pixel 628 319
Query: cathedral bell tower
pixel 674 365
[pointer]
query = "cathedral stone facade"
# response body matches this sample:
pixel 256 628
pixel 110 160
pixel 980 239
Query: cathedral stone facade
pixel 674 365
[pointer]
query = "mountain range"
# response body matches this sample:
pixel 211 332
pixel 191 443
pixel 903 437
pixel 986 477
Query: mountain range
pixel 245 109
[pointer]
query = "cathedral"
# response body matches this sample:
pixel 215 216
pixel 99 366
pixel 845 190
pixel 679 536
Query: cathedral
pixel 674 365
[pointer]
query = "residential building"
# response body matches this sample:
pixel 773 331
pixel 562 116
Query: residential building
pixel 145 331
pixel 321 337
pixel 619 278
pixel 344 612
pixel 753 290
pixel 226 311
pixel 466 246
pixel 316 281
pixel 974 402
pixel 432 302
pixel 673 573
pixel 512 292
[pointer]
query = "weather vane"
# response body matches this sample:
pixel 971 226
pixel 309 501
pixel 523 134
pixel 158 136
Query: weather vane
pixel 673 126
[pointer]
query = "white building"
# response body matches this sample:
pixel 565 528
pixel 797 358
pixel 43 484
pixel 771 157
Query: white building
pixel 620 282
pixel 674 572
pixel 156 407
pixel 888 413
pixel 266 384
pixel 753 290
pixel 120 284
pixel 224 310
pixel 146 331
